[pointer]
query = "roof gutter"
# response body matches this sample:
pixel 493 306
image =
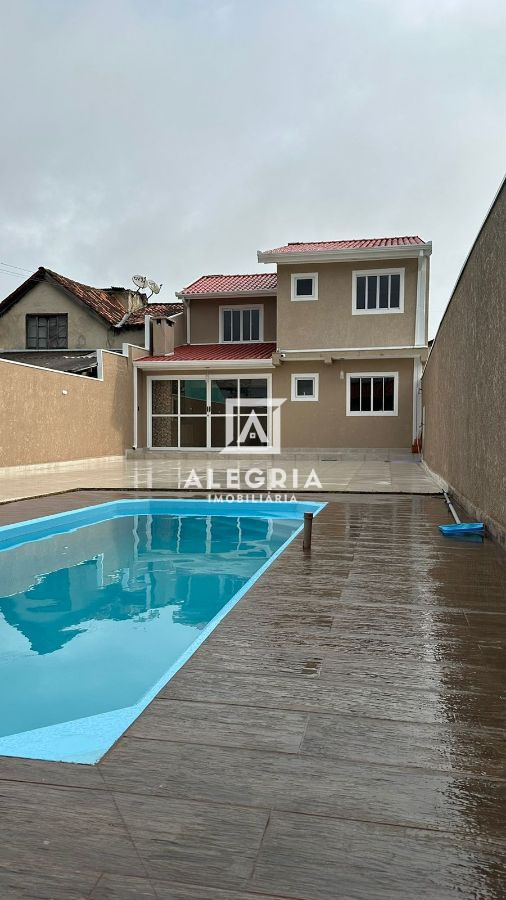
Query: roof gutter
pixel 223 295
pixel 200 364
pixel 302 256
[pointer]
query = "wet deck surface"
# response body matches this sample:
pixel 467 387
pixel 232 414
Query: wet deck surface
pixel 340 735
pixel 391 472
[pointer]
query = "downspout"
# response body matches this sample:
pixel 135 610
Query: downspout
pixel 188 340
pixel 136 411
pixel 417 405
pixel 421 290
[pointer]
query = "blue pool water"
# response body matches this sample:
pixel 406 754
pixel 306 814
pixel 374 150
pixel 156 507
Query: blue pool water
pixel 100 607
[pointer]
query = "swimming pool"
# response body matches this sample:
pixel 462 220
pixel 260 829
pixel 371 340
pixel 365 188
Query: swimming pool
pixel 99 607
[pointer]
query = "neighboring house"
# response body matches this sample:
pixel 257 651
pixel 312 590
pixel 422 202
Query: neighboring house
pixel 51 312
pixel 339 332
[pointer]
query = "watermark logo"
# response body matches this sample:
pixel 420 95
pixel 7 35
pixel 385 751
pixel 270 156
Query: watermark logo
pixel 253 426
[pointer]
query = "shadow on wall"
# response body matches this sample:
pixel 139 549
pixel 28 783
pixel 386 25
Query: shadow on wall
pixel 464 384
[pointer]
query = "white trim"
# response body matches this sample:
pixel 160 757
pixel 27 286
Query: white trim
pixel 147 326
pixel 250 306
pixel 348 349
pixel 316 391
pixel 136 412
pixel 421 290
pixel 207 377
pixel 205 364
pixel 407 251
pixel 374 312
pixel 293 281
pixel 372 413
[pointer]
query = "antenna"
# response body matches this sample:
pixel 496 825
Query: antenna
pixel 141 282
pixel 154 287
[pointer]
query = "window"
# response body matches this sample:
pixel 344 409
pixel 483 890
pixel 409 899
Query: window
pixel 47 332
pixel 241 324
pixel 304 387
pixel 380 291
pixel 372 394
pixel 305 286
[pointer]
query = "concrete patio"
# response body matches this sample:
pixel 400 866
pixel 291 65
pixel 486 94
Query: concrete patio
pixel 379 472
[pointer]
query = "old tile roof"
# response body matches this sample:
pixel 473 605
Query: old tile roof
pixel 207 352
pixel 157 310
pixel 357 244
pixel 76 361
pixel 111 304
pixel 231 284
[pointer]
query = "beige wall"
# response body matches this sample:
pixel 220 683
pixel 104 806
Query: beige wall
pixel 179 326
pixel 328 322
pixel 86 330
pixel 205 318
pixel 464 383
pixel 127 336
pixel 323 423
pixel 41 424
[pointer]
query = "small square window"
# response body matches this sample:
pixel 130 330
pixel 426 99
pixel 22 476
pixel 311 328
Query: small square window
pixel 305 387
pixel 305 286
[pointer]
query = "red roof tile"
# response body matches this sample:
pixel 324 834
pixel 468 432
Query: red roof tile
pixel 110 304
pixel 158 310
pixel 103 302
pixel 231 284
pixel 206 352
pixel 358 244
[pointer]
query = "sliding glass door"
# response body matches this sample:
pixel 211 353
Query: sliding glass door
pixel 190 413
pixel 179 412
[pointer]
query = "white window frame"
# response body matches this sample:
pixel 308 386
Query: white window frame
pixel 208 378
pixel 375 312
pixel 370 413
pixel 305 375
pixel 294 277
pixel 243 307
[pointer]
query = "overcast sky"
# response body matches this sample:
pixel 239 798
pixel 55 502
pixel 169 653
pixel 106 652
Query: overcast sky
pixel 177 138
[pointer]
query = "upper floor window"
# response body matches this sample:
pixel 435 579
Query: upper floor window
pixel 305 286
pixel 47 332
pixel 380 291
pixel 241 323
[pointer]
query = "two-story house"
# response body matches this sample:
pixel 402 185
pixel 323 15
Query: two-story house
pixel 339 333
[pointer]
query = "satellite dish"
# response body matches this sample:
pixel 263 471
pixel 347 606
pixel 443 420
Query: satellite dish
pixel 154 287
pixel 140 281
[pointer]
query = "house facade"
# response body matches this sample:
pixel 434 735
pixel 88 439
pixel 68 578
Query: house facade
pixel 50 312
pixel 338 334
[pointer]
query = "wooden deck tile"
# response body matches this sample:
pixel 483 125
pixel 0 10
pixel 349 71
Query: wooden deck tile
pixel 310 857
pixel 340 735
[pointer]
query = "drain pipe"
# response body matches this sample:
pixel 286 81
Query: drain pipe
pixel 452 510
pixel 308 530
